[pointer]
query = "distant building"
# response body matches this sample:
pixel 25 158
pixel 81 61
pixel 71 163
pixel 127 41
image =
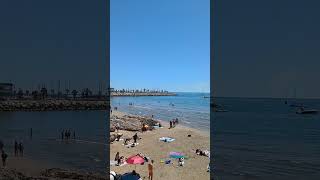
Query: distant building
pixel 6 89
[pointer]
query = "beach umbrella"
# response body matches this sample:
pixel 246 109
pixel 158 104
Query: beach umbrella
pixel 176 155
pixel 136 159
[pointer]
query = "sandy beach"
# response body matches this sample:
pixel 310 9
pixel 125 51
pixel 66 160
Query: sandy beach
pixel 195 166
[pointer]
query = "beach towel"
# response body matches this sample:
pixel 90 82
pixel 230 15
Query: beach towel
pixel 130 145
pixel 157 127
pixel 113 163
pixel 166 139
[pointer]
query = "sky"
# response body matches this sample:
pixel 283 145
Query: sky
pixel 266 48
pixel 46 41
pixel 160 44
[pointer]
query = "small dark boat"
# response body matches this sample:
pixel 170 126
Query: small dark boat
pixel 220 110
pixel 301 110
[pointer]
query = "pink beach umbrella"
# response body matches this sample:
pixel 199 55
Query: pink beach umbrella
pixel 136 159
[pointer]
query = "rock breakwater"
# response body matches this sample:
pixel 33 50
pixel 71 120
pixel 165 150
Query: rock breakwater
pixel 52 105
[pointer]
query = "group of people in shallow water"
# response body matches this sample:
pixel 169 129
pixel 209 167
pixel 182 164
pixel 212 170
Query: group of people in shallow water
pixel 66 134
pixel 18 148
pixel 173 123
pixel 18 151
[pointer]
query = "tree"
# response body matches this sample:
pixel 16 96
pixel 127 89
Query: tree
pixel 27 92
pixel 20 93
pixel 34 95
pixel 67 93
pixel 74 93
pixel 44 93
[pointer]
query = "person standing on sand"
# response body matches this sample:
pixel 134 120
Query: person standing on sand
pixel 135 137
pixel 150 169
pixel 117 157
pixel 21 148
pixel 15 148
pixel 30 133
pixel 4 158
pixel 170 124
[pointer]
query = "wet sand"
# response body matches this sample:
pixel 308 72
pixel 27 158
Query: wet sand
pixel 195 166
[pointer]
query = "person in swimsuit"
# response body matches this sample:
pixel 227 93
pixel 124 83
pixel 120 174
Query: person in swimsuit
pixel 150 169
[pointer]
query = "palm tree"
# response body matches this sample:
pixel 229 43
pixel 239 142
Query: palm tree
pixel 20 93
pixel 44 92
pixel 67 93
pixel 74 93
pixel 27 92
pixel 34 95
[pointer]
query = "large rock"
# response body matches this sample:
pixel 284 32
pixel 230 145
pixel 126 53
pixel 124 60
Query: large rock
pixel 132 123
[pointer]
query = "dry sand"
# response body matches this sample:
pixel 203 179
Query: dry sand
pixel 195 166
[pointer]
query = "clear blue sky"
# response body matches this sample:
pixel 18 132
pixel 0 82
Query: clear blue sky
pixel 160 44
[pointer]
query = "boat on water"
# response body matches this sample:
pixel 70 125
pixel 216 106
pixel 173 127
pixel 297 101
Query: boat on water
pixel 219 110
pixel 302 110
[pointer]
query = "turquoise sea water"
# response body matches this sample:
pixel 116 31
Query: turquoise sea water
pixel 192 109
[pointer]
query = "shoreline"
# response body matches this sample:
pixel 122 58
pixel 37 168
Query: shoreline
pixel 195 166
pixel 116 94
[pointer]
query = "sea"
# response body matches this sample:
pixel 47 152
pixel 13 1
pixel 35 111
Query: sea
pixel 191 109
pixel 263 139
pixel 45 146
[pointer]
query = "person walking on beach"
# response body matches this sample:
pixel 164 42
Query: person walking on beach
pixel 135 137
pixel 117 158
pixel 4 158
pixel 30 133
pixel 15 148
pixel 150 169
pixel 21 148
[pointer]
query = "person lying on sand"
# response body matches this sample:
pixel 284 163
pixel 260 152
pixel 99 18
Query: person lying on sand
pixel 118 136
pixel 127 140
pixel 120 161
pixel 181 161
pixel 203 153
